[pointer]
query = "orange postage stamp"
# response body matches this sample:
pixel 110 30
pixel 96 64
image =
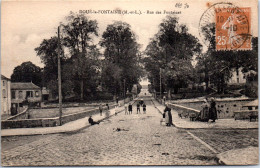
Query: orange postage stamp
pixel 233 28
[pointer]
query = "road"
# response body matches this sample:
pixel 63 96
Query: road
pixel 136 139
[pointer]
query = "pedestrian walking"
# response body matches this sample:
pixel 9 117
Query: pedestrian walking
pixel 138 108
pixel 107 106
pixel 130 108
pixel 100 109
pixel 213 110
pixel 144 108
pixel 126 110
pixel 168 116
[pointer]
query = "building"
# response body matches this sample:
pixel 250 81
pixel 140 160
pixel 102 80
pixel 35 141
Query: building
pixel 238 77
pixel 5 95
pixel 24 93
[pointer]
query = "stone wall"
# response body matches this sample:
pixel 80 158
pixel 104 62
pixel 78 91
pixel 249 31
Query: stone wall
pixel 225 108
pixel 49 122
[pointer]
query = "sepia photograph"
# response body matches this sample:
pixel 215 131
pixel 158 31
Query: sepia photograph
pixel 129 83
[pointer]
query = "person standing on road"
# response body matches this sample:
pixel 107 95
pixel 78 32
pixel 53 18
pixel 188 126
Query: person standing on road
pixel 168 116
pixel 130 108
pixel 212 110
pixel 138 108
pixel 100 109
pixel 204 114
pixel 126 111
pixel 107 106
pixel 144 108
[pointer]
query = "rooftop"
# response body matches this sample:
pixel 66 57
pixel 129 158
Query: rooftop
pixel 4 78
pixel 24 85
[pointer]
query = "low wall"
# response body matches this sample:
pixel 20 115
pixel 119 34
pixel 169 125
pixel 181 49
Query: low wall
pixel 50 122
pixel 225 108
pixel 185 111
pixel 20 116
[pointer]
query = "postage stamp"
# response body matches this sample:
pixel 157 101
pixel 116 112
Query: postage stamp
pixel 230 26
pixel 233 28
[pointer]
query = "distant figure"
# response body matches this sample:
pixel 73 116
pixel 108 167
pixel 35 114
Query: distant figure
pixel 117 100
pixel 213 110
pixel 144 108
pixel 100 109
pixel 107 106
pixel 204 114
pixel 91 121
pixel 138 108
pixel 164 99
pixel 168 116
pixel 126 111
pixel 116 110
pixel 130 108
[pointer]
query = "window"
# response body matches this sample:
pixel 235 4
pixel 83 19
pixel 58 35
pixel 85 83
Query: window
pixel 20 95
pixel 4 93
pixel 36 93
pixel 29 94
pixel 3 83
pixel 13 94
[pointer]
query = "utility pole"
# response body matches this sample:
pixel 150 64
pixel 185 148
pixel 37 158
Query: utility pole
pixel 59 78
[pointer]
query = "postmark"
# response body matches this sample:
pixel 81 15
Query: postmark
pixel 224 26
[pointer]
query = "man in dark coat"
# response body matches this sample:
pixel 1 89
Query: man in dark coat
pixel 144 108
pixel 130 108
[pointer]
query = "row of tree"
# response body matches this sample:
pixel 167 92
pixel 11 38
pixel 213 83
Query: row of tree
pixel 84 69
pixel 168 59
pixel 172 50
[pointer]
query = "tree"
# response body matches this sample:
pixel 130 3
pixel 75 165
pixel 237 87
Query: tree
pixel 171 50
pixel 48 52
pixel 27 72
pixel 78 56
pixel 122 53
pixel 77 36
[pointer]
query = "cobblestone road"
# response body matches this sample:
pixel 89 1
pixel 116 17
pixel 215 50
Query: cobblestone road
pixel 136 139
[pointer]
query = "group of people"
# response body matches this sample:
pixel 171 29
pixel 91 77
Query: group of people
pixel 129 108
pixel 208 111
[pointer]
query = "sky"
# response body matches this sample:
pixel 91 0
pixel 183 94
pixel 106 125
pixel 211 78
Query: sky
pixel 24 24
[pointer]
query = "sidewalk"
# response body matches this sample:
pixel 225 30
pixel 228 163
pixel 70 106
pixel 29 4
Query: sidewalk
pixel 244 156
pixel 68 127
pixel 219 124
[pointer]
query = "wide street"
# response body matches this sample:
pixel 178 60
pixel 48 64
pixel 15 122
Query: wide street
pixel 136 139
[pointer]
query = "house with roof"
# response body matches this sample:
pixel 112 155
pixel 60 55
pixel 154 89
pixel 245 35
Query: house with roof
pixel 24 93
pixel 5 95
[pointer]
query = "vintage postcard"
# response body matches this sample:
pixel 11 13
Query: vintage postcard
pixel 129 83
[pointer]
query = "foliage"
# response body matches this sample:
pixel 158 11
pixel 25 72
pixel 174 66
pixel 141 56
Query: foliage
pixel 27 72
pixel 171 49
pixel 121 58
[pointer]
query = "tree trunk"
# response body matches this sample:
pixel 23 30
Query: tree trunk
pixel 81 89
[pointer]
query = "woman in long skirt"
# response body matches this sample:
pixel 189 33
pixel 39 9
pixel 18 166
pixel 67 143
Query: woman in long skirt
pixel 204 116
pixel 168 116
